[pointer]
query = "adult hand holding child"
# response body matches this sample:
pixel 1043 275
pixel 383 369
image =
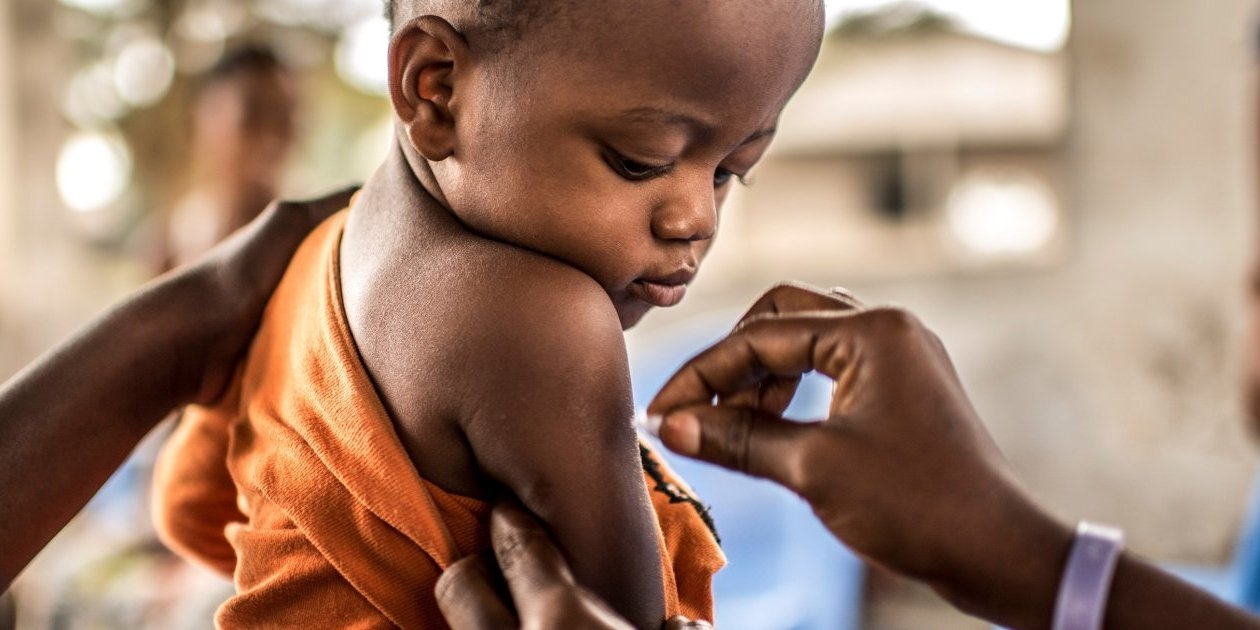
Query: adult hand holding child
pixel 539 580
pixel 84 405
pixel 902 471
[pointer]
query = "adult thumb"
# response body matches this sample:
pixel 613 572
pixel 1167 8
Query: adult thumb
pixel 740 438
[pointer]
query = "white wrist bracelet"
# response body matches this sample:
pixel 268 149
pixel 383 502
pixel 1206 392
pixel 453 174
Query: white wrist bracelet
pixel 1087 578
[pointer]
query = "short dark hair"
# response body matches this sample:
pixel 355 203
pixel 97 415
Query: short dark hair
pixel 504 20
pixel 500 8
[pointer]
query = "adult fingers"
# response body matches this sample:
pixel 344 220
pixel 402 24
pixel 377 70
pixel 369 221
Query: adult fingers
pixel 741 439
pixel 530 562
pixel 774 395
pixel 794 297
pixel 766 347
pixel 771 396
pixel 683 623
pixel 468 599
pixel 778 393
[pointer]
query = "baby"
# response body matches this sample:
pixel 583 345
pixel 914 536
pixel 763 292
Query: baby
pixel 456 335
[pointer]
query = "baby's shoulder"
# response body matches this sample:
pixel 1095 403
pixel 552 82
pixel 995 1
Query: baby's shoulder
pixel 518 300
pixel 527 340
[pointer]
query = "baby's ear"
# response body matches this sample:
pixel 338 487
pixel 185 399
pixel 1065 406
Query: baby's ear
pixel 423 63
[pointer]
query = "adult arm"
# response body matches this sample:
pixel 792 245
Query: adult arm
pixel 71 417
pixel 902 470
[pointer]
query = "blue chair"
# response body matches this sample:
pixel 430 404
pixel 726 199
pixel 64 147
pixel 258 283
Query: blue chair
pixel 1238 582
pixel 784 570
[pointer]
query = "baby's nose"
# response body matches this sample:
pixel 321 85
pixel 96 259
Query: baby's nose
pixel 689 215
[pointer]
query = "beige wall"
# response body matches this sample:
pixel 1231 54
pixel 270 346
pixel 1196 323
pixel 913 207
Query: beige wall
pixel 8 145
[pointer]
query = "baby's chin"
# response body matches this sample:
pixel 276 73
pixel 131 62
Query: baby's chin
pixel 630 311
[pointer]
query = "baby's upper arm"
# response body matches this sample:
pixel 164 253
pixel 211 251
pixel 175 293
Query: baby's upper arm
pixel 549 417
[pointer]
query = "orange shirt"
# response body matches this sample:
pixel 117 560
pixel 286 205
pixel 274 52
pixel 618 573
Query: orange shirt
pixel 296 485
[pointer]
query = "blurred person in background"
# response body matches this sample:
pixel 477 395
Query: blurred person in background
pixel 243 128
pixel 1252 373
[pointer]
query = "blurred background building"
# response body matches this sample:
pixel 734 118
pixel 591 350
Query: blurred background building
pixel 1065 194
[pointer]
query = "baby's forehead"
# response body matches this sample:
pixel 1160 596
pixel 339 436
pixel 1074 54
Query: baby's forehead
pixel 709 58
pixel 674 34
pixel 586 25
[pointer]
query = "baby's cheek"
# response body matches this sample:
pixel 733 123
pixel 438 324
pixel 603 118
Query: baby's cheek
pixel 702 248
pixel 630 312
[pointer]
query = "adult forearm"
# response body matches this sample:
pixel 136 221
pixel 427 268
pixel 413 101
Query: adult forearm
pixel 68 420
pixel 1006 566
pixel 1016 581
pixel 1022 593
pixel 1143 596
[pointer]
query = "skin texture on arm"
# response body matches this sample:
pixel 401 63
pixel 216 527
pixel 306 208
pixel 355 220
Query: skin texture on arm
pixel 71 417
pixel 550 420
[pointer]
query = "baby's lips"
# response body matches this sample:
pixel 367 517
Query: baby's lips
pixel 657 294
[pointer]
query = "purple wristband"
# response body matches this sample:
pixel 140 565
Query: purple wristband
pixel 1087 578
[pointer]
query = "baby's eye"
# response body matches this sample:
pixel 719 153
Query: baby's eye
pixel 634 170
pixel 722 177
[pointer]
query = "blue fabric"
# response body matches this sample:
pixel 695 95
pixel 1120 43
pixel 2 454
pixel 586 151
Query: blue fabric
pixel 1239 581
pixel 1246 565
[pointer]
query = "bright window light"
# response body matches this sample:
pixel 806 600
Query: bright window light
pixel 143 71
pixel 91 97
pixel 1002 214
pixel 211 21
pixel 93 171
pixel 362 53
pixel 95 6
pixel 1035 24
pixel 322 14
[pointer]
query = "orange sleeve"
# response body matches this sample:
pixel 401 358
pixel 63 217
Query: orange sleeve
pixel 194 498
pixel 689 546
pixel 285 581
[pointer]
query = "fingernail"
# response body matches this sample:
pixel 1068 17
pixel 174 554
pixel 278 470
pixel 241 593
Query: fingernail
pixel 651 423
pixel 681 433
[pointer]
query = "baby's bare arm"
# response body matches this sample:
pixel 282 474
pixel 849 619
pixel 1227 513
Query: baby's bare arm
pixel 552 422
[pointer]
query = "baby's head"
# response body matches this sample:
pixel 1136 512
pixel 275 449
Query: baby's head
pixel 604 134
